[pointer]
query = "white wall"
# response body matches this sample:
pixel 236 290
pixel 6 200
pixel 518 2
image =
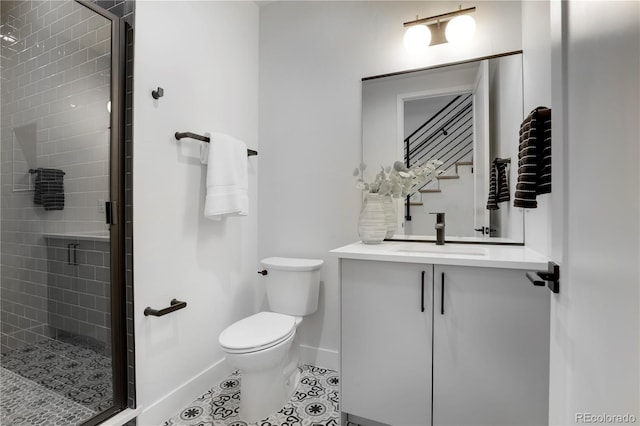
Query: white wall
pixel 205 56
pixel 506 104
pixel 595 321
pixel 536 69
pixel 312 57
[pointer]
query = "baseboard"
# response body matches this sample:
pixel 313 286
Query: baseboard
pixel 122 417
pixel 320 357
pixel 170 404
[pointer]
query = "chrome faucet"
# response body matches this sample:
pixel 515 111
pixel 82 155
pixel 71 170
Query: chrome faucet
pixel 439 228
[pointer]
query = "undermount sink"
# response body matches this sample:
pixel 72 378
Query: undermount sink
pixel 445 249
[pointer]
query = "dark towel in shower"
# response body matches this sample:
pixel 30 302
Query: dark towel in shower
pixel 49 189
pixel 534 158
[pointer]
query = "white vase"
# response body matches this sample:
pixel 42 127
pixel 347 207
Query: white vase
pixel 372 224
pixel 390 215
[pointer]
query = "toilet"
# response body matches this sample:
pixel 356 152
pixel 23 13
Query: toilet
pixel 262 346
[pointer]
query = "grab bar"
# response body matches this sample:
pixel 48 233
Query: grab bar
pixel 175 305
pixel 207 139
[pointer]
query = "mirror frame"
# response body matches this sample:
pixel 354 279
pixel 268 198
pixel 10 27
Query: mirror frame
pixel 450 239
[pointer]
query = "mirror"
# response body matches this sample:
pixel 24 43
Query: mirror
pixel 466 115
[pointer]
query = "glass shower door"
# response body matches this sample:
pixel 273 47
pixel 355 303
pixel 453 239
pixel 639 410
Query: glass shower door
pixel 61 355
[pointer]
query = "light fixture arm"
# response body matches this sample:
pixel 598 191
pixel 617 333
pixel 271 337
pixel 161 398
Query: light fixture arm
pixel 441 17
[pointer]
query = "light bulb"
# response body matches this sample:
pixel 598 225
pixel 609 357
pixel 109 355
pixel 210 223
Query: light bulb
pixel 460 29
pixel 417 38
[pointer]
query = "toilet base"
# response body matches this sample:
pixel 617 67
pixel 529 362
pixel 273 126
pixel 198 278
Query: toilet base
pixel 265 393
pixel 268 379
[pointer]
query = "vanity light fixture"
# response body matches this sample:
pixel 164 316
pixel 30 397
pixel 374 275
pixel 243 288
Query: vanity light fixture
pixel 417 38
pixel 453 27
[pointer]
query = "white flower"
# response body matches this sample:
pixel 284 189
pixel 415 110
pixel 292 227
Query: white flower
pixel 398 180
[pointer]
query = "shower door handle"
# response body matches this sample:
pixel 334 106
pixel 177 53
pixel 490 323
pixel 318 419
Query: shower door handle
pixel 110 209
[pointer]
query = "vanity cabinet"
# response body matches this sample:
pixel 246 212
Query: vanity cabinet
pixel 386 341
pixel 490 348
pixel 477 355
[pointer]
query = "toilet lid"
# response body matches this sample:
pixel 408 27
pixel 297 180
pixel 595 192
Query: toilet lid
pixel 258 331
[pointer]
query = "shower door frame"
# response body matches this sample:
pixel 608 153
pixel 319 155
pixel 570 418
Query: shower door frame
pixel 115 218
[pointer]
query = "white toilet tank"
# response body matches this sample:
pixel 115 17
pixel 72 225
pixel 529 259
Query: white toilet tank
pixel 292 284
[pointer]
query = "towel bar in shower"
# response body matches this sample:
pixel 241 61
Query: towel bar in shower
pixel 207 139
pixel 175 305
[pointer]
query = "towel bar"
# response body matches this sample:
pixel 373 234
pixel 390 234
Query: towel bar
pixel 180 135
pixel 551 278
pixel 502 160
pixel 175 305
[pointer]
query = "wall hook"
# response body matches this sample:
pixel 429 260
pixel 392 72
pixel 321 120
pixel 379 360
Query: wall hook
pixel 158 93
pixel 550 278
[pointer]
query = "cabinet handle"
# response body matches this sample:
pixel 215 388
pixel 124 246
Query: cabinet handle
pixel 442 295
pixel 72 248
pixel 422 294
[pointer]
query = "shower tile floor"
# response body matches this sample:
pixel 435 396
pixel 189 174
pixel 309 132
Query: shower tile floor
pixel 314 403
pixel 57 380
pixel 24 402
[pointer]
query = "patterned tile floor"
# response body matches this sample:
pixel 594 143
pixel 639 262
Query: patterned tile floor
pixel 24 402
pixel 79 374
pixel 314 403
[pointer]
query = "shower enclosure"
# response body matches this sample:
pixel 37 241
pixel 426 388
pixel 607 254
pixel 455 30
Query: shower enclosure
pixel 61 243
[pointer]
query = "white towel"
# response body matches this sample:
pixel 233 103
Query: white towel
pixel 227 179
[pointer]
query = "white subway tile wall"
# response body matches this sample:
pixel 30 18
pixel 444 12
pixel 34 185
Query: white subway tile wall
pixel 56 66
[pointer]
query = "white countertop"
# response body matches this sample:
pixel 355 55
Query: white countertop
pixel 479 255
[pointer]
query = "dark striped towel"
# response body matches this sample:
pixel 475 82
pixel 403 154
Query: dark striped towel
pixel 503 182
pixel 492 201
pixel 498 185
pixel 534 158
pixel 544 175
pixel 49 189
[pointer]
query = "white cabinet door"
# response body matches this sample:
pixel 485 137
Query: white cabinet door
pixel 386 341
pixel 491 348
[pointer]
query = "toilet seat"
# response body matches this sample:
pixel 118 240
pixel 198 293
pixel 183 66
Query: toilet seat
pixel 257 332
